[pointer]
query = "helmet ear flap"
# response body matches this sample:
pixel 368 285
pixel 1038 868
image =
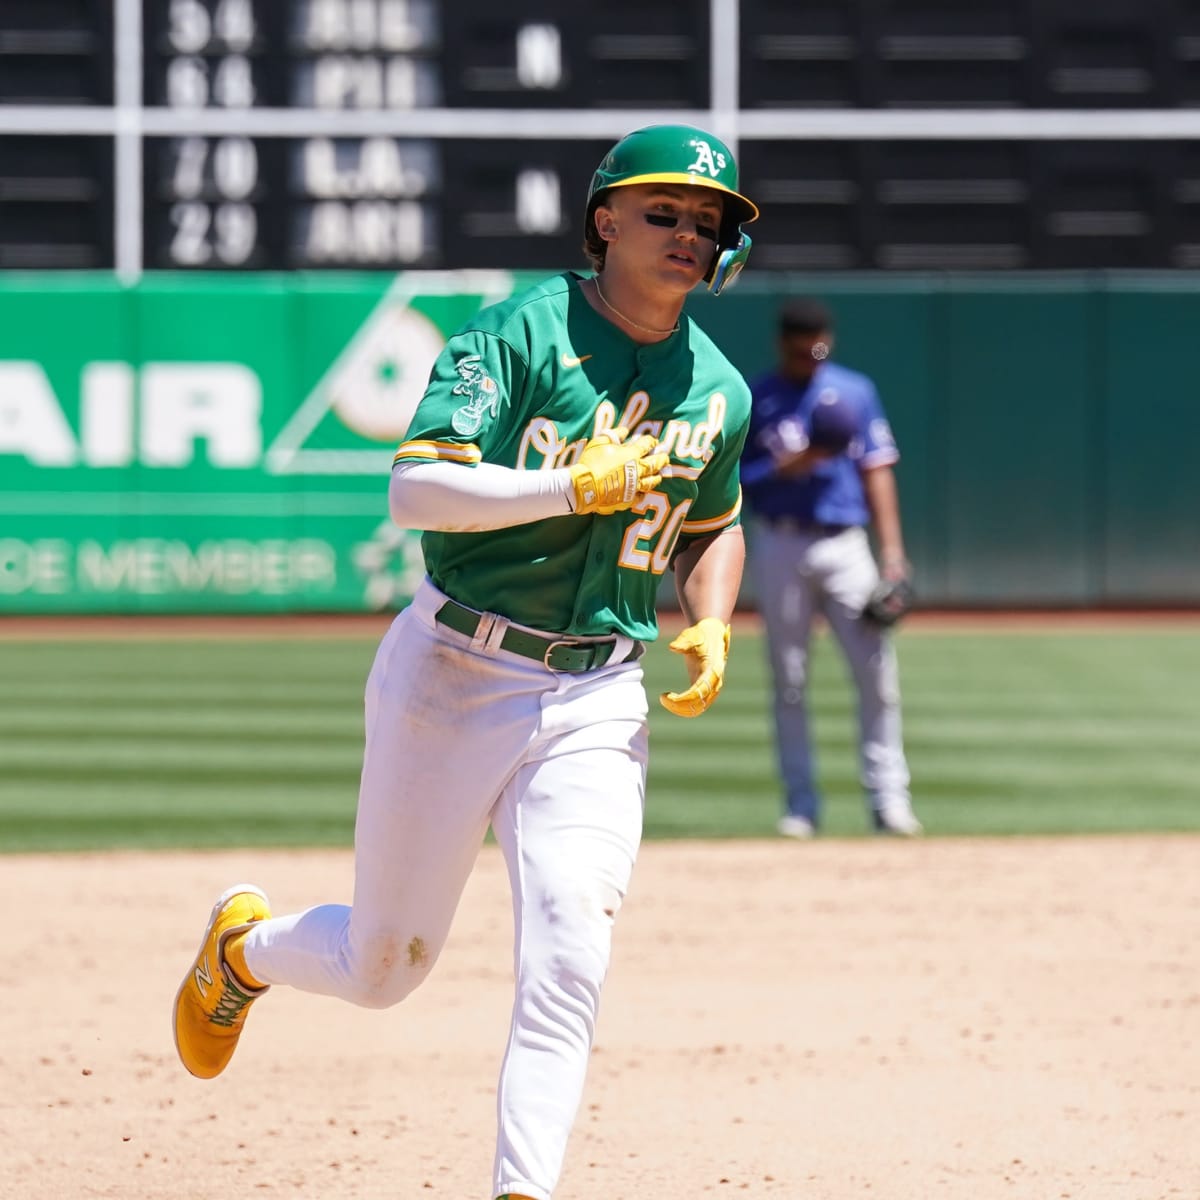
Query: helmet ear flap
pixel 728 263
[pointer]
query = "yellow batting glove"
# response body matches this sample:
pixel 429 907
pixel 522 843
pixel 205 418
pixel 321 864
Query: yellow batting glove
pixel 705 647
pixel 612 473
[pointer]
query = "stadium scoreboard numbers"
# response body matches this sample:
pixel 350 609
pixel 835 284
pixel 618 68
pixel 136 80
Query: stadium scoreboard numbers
pixel 336 185
pixel 393 134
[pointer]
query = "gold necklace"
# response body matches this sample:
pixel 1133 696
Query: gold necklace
pixel 617 312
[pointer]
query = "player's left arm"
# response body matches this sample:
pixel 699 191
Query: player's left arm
pixel 708 567
pixel 708 574
pixel 875 456
pixel 883 500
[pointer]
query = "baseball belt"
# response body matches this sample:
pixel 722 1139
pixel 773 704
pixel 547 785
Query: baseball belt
pixel 815 528
pixel 555 653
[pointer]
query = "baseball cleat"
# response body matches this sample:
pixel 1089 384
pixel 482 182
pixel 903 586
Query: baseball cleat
pixel 898 822
pixel 790 825
pixel 211 1004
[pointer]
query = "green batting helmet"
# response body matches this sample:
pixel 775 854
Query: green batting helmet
pixel 687 155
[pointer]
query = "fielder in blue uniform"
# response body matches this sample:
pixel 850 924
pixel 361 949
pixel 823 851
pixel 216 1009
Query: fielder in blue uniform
pixel 816 474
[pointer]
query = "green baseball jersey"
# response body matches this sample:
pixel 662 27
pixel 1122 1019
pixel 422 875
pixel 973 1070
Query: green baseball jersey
pixel 526 384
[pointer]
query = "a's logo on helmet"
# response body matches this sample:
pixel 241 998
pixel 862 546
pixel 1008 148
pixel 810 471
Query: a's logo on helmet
pixel 707 159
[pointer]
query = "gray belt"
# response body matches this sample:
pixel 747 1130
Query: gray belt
pixel 813 528
pixel 555 653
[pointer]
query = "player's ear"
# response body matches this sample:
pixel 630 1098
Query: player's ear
pixel 606 223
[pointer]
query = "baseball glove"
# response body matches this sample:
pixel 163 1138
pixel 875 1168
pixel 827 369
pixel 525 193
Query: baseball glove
pixel 888 602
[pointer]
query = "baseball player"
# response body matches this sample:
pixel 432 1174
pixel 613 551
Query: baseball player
pixel 573 442
pixel 817 469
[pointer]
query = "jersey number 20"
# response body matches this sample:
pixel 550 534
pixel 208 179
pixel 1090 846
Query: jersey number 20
pixel 648 543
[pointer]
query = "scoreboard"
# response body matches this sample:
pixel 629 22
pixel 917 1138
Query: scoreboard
pixel 338 171
pixel 389 134
pixel 352 197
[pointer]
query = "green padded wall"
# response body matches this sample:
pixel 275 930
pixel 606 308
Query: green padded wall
pixel 1149 353
pixel 1047 427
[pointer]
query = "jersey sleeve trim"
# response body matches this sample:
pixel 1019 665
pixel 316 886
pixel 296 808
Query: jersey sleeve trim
pixel 883 457
pixel 713 524
pixel 425 450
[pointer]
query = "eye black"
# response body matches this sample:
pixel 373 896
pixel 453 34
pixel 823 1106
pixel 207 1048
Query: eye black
pixel 706 231
pixel 667 222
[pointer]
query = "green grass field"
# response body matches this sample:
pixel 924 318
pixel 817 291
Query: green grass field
pixel 207 743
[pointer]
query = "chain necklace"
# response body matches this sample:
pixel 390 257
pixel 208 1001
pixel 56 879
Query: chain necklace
pixel 616 312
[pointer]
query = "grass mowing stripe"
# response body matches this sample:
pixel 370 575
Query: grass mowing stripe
pixel 1047 772
pixel 174 831
pixel 151 796
pixel 259 742
pixel 1064 737
pixel 238 770
pixel 146 801
pixel 284 697
pixel 46 725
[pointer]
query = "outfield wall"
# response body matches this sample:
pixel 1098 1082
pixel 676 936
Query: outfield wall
pixel 222 443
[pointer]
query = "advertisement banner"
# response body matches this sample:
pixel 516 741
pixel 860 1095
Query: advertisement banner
pixel 217 444
pixel 223 443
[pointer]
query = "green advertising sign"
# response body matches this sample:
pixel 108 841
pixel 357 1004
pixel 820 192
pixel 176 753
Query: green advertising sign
pixel 218 444
pixel 223 443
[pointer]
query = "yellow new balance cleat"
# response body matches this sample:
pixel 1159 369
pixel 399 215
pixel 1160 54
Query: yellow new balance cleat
pixel 211 1004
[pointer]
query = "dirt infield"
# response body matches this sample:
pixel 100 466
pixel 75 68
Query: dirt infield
pixel 967 1020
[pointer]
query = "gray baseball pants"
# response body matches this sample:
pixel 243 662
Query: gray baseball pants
pixel 799 573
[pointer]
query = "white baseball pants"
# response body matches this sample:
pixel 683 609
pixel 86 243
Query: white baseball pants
pixel 457 738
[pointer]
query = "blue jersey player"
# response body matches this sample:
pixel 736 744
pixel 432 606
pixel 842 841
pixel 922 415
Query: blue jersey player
pixel 816 474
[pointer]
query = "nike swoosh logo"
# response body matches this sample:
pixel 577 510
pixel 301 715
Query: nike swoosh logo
pixel 568 360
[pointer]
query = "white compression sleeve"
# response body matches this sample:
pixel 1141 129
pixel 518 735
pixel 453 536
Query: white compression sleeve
pixel 451 498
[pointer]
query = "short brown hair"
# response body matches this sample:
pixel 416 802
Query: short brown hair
pixel 594 246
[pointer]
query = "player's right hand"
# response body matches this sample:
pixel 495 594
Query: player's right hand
pixel 612 473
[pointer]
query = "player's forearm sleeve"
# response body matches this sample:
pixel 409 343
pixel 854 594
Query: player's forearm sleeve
pixel 451 498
